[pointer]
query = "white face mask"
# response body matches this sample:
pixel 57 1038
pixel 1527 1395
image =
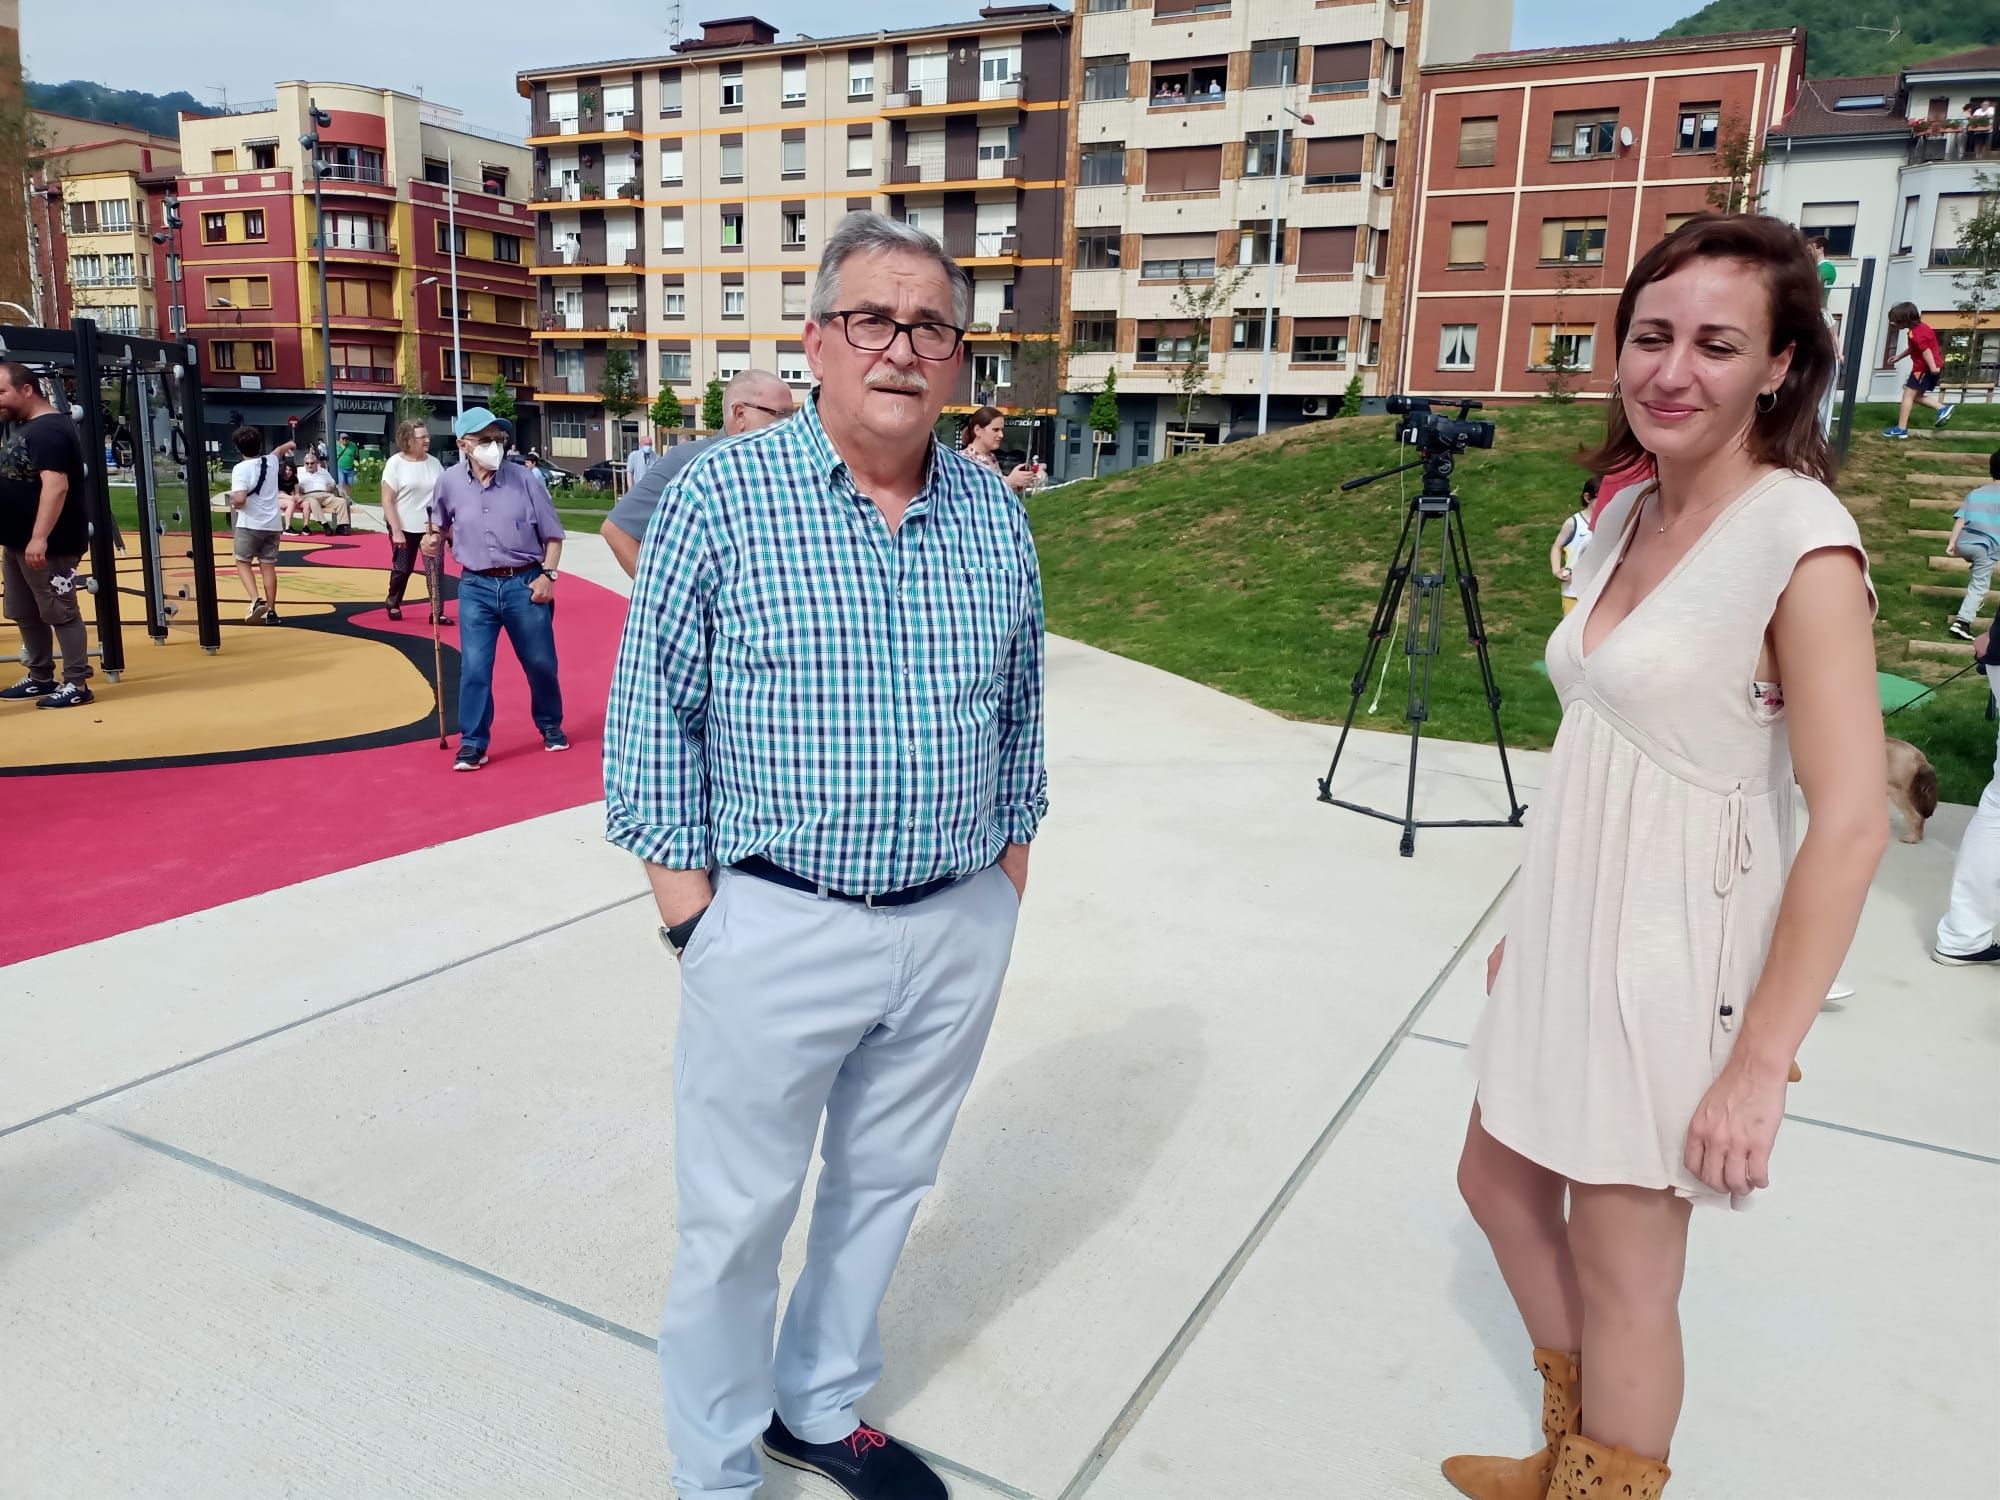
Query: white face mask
pixel 488 455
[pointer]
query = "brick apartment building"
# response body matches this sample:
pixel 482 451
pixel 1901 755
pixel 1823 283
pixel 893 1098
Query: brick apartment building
pixel 1544 175
pixel 1176 161
pixel 684 199
pixel 95 196
pixel 250 251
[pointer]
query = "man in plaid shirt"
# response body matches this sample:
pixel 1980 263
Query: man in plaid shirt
pixel 825 741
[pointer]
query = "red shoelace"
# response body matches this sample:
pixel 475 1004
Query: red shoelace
pixel 864 1437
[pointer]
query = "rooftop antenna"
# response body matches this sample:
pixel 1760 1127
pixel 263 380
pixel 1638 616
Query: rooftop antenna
pixel 674 23
pixel 1884 30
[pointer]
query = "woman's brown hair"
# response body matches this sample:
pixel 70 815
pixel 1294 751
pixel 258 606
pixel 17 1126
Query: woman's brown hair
pixel 407 430
pixel 976 421
pixel 1789 434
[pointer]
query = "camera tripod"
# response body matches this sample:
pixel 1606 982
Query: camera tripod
pixel 1433 514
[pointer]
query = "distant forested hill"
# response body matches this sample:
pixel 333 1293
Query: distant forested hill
pixel 158 113
pixel 1845 38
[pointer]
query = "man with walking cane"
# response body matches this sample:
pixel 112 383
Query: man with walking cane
pixel 499 523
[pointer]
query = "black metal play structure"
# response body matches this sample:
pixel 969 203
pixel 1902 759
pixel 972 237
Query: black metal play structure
pixel 90 373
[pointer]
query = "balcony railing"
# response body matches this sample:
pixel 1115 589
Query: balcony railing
pixel 626 320
pixel 954 169
pixel 89 279
pixel 128 278
pixel 379 244
pixel 963 91
pixel 336 171
pixel 369 374
pixel 1948 145
pixel 556 322
pixel 570 384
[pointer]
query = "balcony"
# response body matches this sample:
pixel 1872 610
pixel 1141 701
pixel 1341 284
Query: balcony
pixel 1953 141
pixel 334 171
pixel 990 245
pixel 354 244
pixel 964 168
pixel 559 322
pixel 969 94
pixel 365 374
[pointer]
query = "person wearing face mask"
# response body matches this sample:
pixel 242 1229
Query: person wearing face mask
pixel 497 519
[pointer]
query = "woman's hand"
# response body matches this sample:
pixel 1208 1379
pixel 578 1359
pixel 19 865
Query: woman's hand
pixel 396 536
pixel 1022 476
pixel 1729 1139
pixel 1563 574
pixel 1493 963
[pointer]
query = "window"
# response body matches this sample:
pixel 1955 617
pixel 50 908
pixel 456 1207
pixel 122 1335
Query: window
pixel 861 75
pixel 1371 349
pixel 672 163
pixel 1333 161
pixel 859 155
pixel 999 71
pixel 1319 349
pixel 1584 133
pixel 731 169
pixel 562 110
pixel 1699 123
pixel 1833 221
pixel 464 371
pixel 1955 211
pixel 997 143
pixel 676 367
pixel 618 101
pixel 670 91
pixel 176 318
pixel 734 302
pixel 1274 62
pixel 1142 440
pixel 990 372
pixel 794 299
pixel 513 369
pixel 1107 77
pixel 1246 329
pixel 793 369
pixel 507 249
pixel 673 231
pixel 437 172
pixel 1905 244
pixel 1385 163
pixel 1574 348
pixel 223 354
pixel 1327 252
pixel 1254 245
pixel 449 241
pixel 792 158
pixel 795 227
pixel 1103 164
pixel 1392 74
pixel 1260 154
pixel 1093 333
pixel 1342 69
pixel 794 80
pixel 1175 257
pixel 173 268
pixel 263 158
pixel 926 75
pixel 568 436
pixel 1674 221
pixel 732 230
pixel 674 303
pixel 1477 139
pixel 1574 241
pixel 1468 245
pixel 1184 169
pixel 729 366
pixel 1169 349
pixel 1101 7
pixel 1458 346
pixel 732 85
pixel 116 213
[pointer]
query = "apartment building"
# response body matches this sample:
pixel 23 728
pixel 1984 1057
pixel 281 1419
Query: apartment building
pixel 1200 121
pixel 92 196
pixel 1889 168
pixel 683 201
pixel 250 244
pixel 1545 175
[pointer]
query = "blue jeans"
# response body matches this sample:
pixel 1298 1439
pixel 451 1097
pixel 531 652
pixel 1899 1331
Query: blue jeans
pixel 486 606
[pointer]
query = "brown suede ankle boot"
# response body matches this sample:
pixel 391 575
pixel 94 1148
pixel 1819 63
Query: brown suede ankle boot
pixel 1527 1478
pixel 1590 1471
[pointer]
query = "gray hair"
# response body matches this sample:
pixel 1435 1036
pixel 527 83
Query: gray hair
pixel 865 233
pixel 743 386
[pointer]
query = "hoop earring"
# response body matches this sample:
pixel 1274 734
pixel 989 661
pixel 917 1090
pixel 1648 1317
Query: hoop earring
pixel 1764 396
pixel 1617 389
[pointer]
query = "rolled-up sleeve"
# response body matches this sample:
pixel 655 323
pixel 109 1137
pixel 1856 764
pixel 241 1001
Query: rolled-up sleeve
pixel 1023 793
pixel 655 773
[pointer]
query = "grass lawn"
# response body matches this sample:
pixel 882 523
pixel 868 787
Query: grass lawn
pixel 1245 568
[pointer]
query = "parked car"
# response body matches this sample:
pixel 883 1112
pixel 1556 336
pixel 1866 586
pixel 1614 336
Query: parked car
pixel 600 474
pixel 554 478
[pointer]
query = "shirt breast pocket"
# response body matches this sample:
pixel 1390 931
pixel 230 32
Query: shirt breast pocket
pixel 979 610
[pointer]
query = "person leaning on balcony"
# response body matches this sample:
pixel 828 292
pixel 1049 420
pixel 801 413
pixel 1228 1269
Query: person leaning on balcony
pixel 984 432
pixel 825 741
pixel 409 480
pixel 1666 951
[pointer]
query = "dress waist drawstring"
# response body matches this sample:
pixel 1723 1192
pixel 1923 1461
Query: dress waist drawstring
pixel 1732 857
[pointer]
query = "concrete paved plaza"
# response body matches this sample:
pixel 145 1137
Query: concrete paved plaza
pixel 353 1190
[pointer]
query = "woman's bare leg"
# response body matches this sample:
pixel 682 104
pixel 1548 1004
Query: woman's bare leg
pixel 1630 1248
pixel 1519 1206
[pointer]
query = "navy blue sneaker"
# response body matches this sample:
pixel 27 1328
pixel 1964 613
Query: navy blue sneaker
pixel 554 740
pixel 468 759
pixel 69 695
pixel 869 1465
pixel 28 687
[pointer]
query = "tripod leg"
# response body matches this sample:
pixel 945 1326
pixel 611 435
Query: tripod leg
pixel 1379 630
pixel 1426 622
pixel 1475 628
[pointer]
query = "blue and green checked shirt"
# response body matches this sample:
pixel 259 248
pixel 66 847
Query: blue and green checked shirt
pixel 860 706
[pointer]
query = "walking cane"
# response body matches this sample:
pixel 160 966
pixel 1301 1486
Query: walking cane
pixel 434 581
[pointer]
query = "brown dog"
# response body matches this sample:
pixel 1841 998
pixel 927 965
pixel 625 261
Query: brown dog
pixel 1913 787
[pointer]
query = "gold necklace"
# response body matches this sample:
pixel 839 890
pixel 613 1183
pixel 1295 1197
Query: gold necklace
pixel 1660 500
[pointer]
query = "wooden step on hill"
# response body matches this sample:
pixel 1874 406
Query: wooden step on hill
pixel 1946 649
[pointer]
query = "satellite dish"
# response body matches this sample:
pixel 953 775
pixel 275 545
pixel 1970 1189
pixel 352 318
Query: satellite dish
pixel 1625 136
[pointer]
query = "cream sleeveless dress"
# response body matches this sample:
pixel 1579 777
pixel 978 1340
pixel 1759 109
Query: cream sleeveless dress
pixel 1657 850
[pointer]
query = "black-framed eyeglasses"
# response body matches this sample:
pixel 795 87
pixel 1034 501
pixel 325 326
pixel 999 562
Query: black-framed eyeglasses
pixel 769 411
pixel 875 332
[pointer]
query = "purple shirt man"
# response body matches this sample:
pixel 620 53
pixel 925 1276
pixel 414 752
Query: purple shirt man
pixel 506 522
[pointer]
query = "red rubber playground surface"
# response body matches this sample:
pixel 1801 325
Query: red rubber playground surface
pixel 318 751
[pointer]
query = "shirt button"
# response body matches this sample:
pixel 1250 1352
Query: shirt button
pixel 911 824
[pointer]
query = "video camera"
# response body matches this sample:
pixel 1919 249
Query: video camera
pixel 1430 433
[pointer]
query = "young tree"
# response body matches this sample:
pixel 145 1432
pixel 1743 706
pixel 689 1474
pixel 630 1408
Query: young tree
pixel 1103 419
pixel 1200 303
pixel 500 399
pixel 1350 401
pixel 1977 257
pixel 1739 160
pixel 620 385
pixel 711 406
pixel 1560 361
pixel 412 405
pixel 666 412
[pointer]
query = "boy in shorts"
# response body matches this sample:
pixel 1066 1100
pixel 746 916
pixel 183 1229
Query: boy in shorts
pixel 1926 369
pixel 253 496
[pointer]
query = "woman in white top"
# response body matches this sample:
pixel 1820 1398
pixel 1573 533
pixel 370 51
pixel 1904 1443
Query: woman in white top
pixel 985 429
pixel 1569 544
pixel 409 479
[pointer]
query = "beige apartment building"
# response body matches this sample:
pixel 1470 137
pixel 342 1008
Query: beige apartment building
pixel 1178 169
pixel 683 201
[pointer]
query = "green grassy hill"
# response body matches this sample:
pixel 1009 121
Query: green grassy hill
pixel 1846 38
pixel 1245 568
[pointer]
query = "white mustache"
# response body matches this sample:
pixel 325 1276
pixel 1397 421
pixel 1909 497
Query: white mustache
pixel 914 379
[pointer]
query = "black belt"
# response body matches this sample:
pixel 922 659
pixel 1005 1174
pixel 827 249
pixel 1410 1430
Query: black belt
pixel 505 572
pixel 763 869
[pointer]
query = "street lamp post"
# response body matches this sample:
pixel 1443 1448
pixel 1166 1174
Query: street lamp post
pixel 169 234
pixel 457 358
pixel 451 246
pixel 1277 208
pixel 321 120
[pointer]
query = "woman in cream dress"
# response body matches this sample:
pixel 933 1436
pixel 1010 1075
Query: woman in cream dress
pixel 1665 953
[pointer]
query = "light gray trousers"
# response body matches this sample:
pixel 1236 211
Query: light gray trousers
pixel 793 1007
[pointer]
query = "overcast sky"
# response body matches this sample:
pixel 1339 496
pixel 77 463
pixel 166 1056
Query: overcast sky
pixel 465 56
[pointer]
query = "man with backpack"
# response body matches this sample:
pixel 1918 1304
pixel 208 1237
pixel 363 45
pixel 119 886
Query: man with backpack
pixel 260 521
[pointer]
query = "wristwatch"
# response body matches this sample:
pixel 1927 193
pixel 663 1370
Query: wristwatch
pixel 678 936
pixel 550 574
